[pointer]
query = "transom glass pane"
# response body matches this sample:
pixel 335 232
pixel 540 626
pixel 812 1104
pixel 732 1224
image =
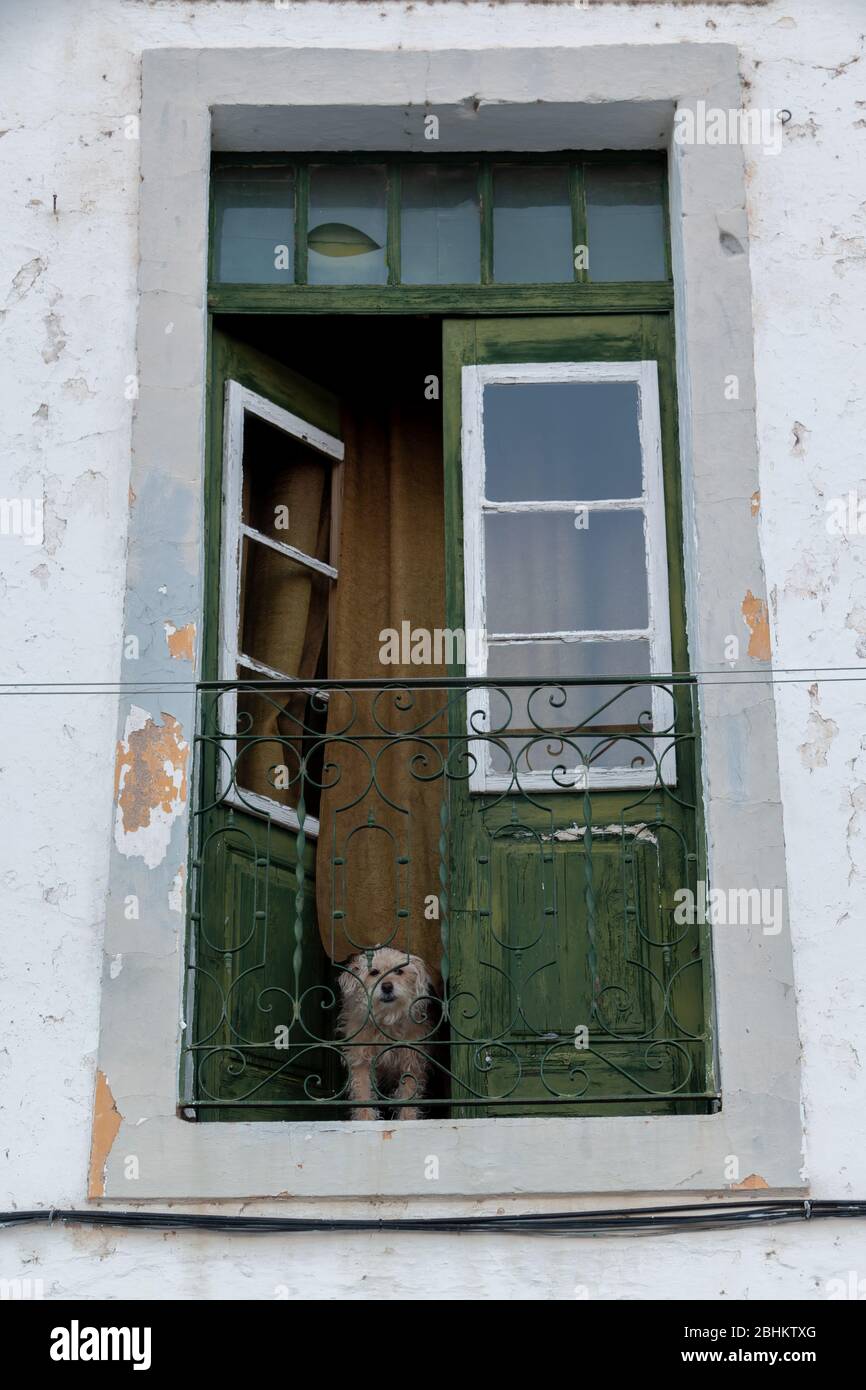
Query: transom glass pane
pixel 531 225
pixel 440 240
pixel 347 225
pixel 562 441
pixel 254 226
pixel 546 573
pixel 625 217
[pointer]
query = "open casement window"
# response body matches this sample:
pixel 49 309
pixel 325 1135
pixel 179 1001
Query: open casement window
pixel 572 983
pixel 275 596
pixel 273 503
pixel 566 569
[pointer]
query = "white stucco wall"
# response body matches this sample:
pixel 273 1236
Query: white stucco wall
pixel 69 77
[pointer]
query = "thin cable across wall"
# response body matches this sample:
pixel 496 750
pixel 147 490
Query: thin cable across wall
pixel 615 1221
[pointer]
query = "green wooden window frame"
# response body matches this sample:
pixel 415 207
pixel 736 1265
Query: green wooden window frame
pixel 641 325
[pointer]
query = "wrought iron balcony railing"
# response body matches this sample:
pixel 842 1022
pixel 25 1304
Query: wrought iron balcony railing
pixel 528 842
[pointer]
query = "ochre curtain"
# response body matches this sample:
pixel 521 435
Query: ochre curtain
pixel 391 566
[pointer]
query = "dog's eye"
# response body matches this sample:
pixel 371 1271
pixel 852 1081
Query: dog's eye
pixel 374 972
pixel 398 971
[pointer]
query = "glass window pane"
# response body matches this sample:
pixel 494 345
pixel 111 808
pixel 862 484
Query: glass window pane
pixel 440 239
pixel 546 574
pixel 348 225
pixel 284 610
pixel 585 704
pixel 625 218
pixel 254 226
pixel 562 441
pixel 531 225
pixel 279 748
pixel 609 710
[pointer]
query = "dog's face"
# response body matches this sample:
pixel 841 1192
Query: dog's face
pixel 393 988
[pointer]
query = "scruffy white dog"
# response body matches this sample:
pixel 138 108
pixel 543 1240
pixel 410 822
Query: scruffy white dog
pixel 386 1000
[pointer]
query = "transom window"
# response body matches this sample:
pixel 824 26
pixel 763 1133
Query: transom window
pixel 454 220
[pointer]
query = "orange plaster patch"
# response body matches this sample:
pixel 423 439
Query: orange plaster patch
pixel 106 1123
pixel 181 641
pixel 750 1183
pixel 757 618
pixel 151 772
pixel 756 502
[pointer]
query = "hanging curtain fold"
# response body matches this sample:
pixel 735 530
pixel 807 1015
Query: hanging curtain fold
pixel 378 852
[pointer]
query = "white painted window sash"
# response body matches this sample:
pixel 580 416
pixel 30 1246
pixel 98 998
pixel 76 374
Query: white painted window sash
pixel 650 503
pixel 289 551
pixel 239 400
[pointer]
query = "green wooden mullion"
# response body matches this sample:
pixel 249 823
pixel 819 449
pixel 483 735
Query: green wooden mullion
pixel 211 235
pixel 393 252
pixel 577 194
pixel 302 211
pixel 485 202
pixel 666 219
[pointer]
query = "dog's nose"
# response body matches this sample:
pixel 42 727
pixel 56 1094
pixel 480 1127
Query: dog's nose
pixel 387 988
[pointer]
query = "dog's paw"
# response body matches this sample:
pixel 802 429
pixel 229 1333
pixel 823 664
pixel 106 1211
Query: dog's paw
pixel 367 1114
pixel 409 1112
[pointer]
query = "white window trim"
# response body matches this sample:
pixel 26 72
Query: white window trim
pixel 240 400
pixel 651 502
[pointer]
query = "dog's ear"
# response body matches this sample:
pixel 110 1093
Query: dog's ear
pixel 429 979
pixel 348 978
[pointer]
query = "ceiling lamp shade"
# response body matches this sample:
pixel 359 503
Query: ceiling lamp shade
pixel 340 239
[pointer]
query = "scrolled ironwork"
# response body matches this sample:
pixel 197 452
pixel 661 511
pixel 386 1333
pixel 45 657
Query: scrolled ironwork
pixel 568 983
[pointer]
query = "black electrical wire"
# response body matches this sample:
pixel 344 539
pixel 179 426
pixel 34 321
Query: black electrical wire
pixel 775 676
pixel 615 1221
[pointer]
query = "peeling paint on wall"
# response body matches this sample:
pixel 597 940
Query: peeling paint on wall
pixel 175 892
pixel 150 785
pixel 800 435
pixel 181 641
pixel 820 733
pixel 106 1123
pixel 754 1180
pixel 757 620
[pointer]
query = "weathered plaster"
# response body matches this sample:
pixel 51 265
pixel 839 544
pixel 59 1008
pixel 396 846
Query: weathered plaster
pixel 150 785
pixel 757 620
pixel 180 641
pixel 106 1123
pixel 71 187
